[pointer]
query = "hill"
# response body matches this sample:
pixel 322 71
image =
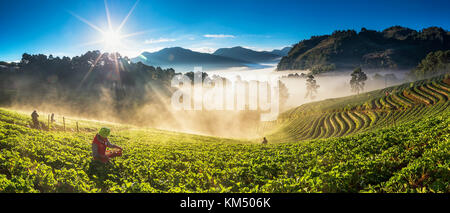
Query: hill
pixel 412 157
pixel 184 60
pixel 282 52
pixel 245 54
pixel 361 113
pixel 393 48
pixel 92 84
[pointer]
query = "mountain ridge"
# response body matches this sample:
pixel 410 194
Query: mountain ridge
pixel 395 47
pixel 250 55
pixel 184 60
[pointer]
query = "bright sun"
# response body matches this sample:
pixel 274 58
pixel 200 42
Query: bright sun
pixel 111 39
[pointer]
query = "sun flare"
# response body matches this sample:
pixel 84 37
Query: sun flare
pixel 111 40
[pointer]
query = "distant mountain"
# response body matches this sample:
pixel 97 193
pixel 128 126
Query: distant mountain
pixel 183 60
pixel 393 48
pixel 249 55
pixel 282 52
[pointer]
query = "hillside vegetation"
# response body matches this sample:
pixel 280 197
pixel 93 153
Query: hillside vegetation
pixel 412 156
pixel 393 48
pixel 94 84
pixel 361 113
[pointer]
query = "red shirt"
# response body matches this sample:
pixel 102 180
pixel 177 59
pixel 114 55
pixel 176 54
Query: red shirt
pixel 99 146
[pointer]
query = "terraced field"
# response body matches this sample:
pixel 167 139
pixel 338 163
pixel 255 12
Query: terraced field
pixel 410 157
pixel 369 111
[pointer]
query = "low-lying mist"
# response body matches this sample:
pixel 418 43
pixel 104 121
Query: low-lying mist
pixel 332 84
pixel 155 109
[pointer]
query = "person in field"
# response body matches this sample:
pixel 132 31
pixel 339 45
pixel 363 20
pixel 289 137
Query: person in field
pixel 34 118
pixel 99 145
pixel 264 141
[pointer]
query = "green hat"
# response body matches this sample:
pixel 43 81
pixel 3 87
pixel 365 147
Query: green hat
pixel 104 132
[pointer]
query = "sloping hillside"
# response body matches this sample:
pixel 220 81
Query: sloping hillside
pixel 361 113
pixel 395 48
pixel 245 54
pixel 411 157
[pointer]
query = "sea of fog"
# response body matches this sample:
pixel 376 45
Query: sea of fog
pixel 332 85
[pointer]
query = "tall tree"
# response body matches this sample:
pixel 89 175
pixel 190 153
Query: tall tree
pixel 358 80
pixel 284 95
pixel 311 87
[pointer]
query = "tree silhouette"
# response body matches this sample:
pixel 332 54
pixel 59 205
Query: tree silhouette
pixel 358 80
pixel 311 87
pixel 284 95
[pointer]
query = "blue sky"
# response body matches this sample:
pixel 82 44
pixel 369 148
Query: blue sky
pixel 52 26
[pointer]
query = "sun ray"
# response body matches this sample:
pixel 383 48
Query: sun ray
pixel 108 16
pixel 117 67
pixel 91 43
pixel 93 26
pixel 126 17
pixel 113 41
pixel 134 34
pixel 90 70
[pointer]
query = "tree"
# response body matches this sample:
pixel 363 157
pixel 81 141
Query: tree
pixel 284 95
pixel 311 87
pixel 358 80
pixel 434 63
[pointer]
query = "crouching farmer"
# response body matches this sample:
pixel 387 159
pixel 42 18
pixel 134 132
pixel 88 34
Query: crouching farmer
pixel 99 145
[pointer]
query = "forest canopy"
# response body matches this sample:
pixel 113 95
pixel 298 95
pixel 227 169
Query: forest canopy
pixel 81 82
pixel 393 48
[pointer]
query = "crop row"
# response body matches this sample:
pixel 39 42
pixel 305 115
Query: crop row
pixel 402 104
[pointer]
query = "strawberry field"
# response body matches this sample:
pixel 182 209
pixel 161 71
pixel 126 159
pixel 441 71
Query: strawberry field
pixel 365 112
pixel 412 157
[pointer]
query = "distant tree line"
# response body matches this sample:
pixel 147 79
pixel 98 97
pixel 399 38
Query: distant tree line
pixel 93 83
pixel 90 83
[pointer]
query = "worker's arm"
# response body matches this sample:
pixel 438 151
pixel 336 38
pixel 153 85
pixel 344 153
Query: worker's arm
pixel 110 145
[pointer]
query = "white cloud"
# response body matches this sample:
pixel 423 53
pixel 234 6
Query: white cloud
pixel 160 40
pixel 218 36
pixel 203 49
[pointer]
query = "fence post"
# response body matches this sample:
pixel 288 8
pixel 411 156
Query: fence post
pixel 77 127
pixel 48 122
pixel 64 122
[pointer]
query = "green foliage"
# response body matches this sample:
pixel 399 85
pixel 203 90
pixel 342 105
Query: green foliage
pixel 337 117
pixel 80 83
pixel 356 148
pixel 408 158
pixel 434 64
pixel 320 68
pixel 393 48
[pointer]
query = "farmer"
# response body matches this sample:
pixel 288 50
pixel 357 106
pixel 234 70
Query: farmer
pixel 99 145
pixel 34 118
pixel 264 141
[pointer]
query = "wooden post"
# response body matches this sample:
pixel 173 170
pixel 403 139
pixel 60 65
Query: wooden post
pixel 77 127
pixel 64 122
pixel 48 122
